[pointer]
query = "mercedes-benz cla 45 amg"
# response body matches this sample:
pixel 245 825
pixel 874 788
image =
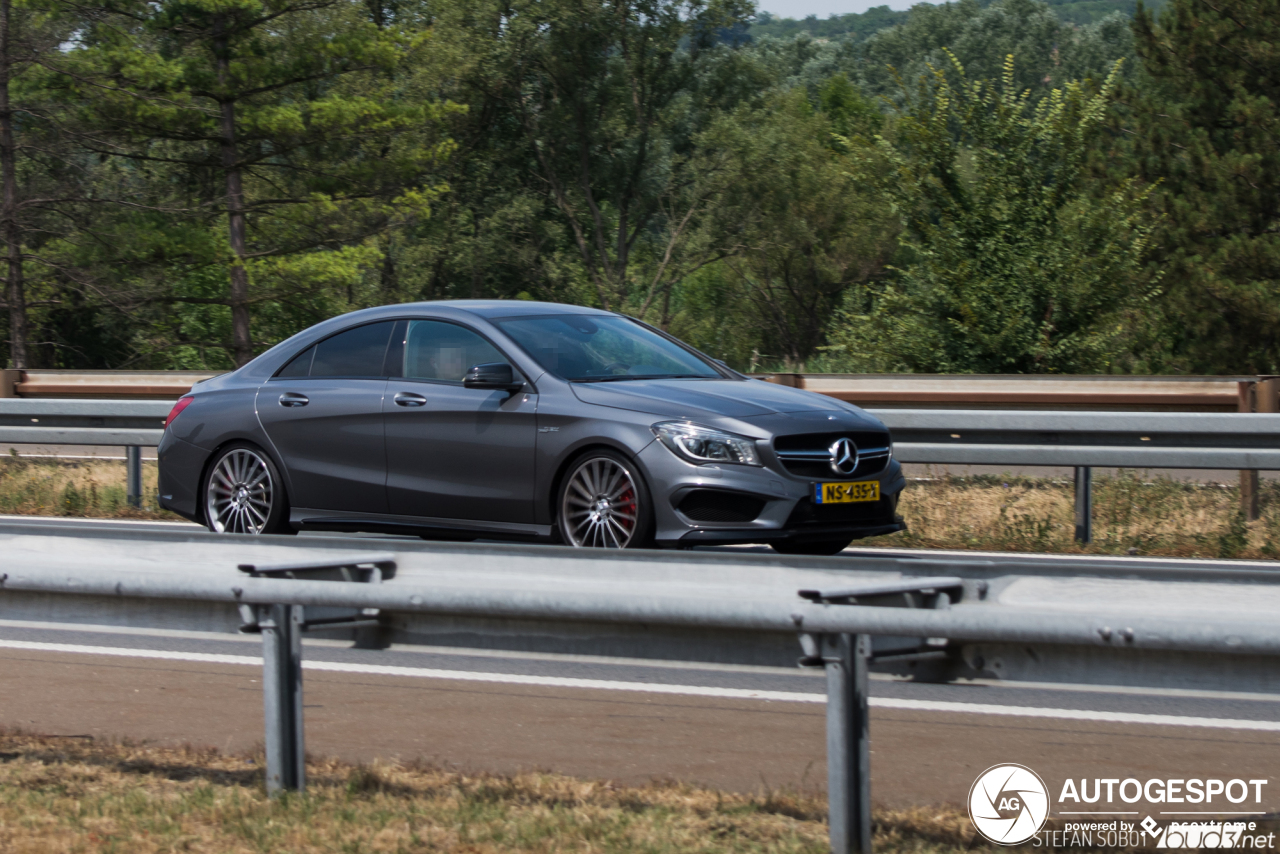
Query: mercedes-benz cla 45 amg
pixel 522 420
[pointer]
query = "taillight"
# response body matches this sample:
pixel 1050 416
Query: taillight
pixel 183 403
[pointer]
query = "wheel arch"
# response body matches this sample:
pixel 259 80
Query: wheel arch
pixel 578 452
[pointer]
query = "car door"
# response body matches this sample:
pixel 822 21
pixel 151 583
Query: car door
pixel 323 413
pixel 455 452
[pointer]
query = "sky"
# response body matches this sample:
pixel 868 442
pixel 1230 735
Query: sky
pixel 825 8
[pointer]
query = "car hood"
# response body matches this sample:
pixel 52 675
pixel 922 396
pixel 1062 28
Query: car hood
pixel 688 398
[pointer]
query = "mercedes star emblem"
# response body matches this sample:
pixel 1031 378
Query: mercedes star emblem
pixel 844 456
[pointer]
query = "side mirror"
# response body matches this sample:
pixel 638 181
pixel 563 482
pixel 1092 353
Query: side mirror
pixel 497 375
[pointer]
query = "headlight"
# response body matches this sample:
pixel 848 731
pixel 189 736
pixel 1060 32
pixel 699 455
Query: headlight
pixel 704 445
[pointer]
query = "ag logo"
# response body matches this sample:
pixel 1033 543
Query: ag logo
pixel 1008 804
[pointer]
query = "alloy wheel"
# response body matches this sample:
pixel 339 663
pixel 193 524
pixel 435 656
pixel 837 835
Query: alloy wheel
pixel 240 493
pixel 601 507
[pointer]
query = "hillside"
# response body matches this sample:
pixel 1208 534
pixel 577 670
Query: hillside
pixel 858 26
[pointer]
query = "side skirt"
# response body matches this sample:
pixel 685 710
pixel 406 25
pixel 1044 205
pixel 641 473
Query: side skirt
pixel 423 526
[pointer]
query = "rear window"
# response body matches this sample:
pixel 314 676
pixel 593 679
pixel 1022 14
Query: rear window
pixel 299 365
pixel 357 352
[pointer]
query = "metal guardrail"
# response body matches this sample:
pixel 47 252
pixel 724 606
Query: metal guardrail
pixel 968 391
pixel 1083 392
pixel 138 385
pixel 835 608
pixel 132 424
pixel 1082 440
pixel 83 422
pixel 955 391
pixel 968 437
pixel 1109 439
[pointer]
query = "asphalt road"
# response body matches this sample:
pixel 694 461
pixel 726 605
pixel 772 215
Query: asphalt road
pixel 733 727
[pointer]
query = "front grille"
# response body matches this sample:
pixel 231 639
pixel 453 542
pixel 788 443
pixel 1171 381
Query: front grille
pixel 859 512
pixel 714 505
pixel 807 455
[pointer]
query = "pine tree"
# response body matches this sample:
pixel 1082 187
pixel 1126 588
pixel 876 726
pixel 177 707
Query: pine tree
pixel 280 115
pixel 33 175
pixel 1207 129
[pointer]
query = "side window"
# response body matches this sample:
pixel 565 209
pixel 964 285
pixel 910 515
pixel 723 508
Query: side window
pixel 357 352
pixel 443 351
pixel 299 365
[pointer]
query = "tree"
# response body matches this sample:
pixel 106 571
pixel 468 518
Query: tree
pixel 1049 52
pixel 603 99
pixel 280 115
pixel 35 176
pixel 807 230
pixel 1019 264
pixel 1206 126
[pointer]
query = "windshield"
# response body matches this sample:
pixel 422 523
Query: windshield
pixel 602 349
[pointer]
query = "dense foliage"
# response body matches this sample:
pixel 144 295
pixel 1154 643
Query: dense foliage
pixel 1017 269
pixel 1007 186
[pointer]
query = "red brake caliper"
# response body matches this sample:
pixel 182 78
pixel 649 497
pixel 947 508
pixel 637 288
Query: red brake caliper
pixel 628 502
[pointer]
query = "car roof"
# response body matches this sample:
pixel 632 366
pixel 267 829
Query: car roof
pixel 455 309
pixel 494 308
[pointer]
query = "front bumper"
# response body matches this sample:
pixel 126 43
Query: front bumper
pixel 786 512
pixel 713 537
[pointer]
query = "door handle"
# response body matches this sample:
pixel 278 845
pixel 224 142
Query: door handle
pixel 290 398
pixel 408 398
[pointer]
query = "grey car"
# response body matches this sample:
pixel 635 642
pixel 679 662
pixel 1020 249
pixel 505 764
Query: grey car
pixel 521 420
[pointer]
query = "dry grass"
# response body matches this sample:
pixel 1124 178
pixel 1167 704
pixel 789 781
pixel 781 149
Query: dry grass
pixel 74 795
pixel 1133 513
pixel 93 488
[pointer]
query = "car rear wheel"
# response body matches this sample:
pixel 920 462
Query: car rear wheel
pixel 816 547
pixel 604 503
pixel 243 493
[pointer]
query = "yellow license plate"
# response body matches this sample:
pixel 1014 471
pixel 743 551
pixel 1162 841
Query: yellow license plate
pixel 846 493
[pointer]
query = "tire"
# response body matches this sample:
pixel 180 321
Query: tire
pixel 243 493
pixel 816 547
pixel 603 502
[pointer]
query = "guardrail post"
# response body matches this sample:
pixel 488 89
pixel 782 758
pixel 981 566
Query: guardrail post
pixel 790 380
pixel 133 464
pixel 1265 398
pixel 846 658
pixel 848 743
pixel 9 379
pixel 1248 395
pixel 282 697
pixel 1084 504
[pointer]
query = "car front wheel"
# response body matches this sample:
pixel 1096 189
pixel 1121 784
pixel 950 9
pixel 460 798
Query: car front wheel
pixel 604 503
pixel 243 493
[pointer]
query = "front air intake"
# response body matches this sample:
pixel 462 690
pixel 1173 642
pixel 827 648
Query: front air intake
pixel 714 505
